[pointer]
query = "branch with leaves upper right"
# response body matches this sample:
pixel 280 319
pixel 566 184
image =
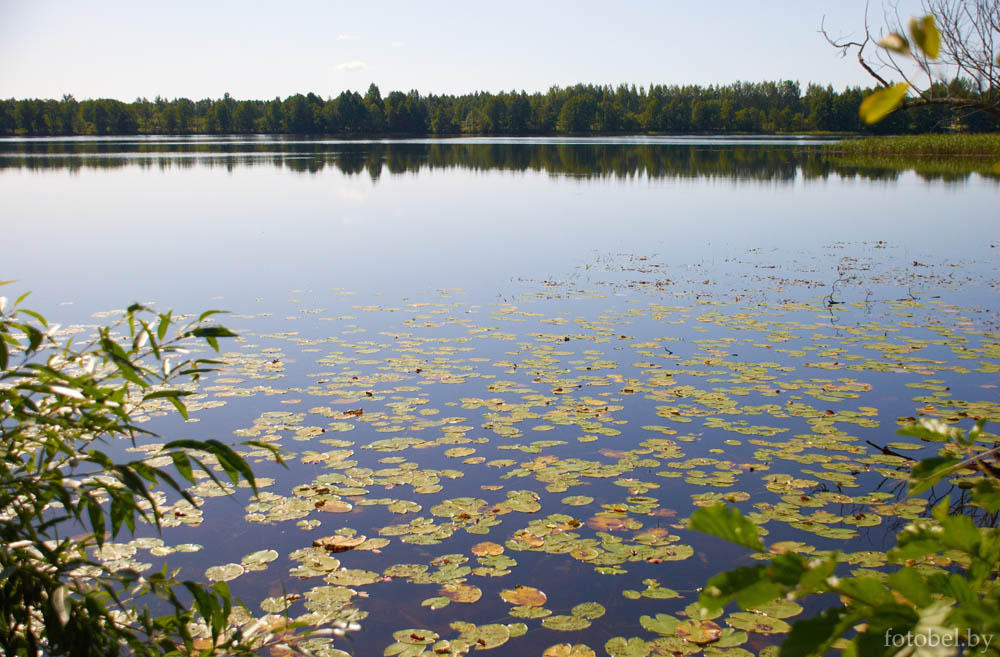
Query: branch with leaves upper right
pixel 956 38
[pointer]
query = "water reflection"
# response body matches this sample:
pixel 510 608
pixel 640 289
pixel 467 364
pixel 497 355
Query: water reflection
pixel 779 161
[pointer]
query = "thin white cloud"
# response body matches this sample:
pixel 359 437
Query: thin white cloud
pixel 346 37
pixel 353 65
pixel 397 44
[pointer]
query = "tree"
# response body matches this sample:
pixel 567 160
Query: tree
pixel 495 112
pixel 376 108
pixel 298 115
pixel 59 404
pixel 956 39
pixel 576 114
pixel 244 117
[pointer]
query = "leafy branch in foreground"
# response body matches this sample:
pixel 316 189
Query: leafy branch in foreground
pixel 943 595
pixel 955 39
pixel 62 496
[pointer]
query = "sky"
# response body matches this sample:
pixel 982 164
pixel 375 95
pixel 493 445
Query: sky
pixel 126 49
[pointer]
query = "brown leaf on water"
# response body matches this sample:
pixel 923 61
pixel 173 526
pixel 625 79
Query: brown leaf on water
pixel 525 596
pixel 461 592
pixel 606 524
pixel 487 548
pixel 699 632
pixel 338 543
pixel 334 506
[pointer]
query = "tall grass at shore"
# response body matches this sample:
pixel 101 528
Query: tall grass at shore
pixel 986 145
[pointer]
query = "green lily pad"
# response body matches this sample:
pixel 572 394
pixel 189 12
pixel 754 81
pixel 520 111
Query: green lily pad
pixel 437 602
pixel 568 650
pixel 522 611
pixel 780 609
pixel 627 647
pixel 565 623
pixel 664 624
pixel 415 637
pixel 229 571
pixel 759 623
pixel 588 610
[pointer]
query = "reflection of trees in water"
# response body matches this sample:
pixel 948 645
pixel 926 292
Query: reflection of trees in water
pixel 762 163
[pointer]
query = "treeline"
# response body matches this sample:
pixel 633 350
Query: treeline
pixel 742 107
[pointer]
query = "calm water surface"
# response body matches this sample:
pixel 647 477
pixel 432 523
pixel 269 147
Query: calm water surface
pixel 558 346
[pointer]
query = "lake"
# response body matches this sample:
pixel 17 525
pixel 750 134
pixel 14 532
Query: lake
pixel 506 370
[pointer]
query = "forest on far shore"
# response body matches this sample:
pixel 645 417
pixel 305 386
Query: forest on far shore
pixel 741 107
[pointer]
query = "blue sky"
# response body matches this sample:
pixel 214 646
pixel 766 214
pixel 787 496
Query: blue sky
pixel 126 49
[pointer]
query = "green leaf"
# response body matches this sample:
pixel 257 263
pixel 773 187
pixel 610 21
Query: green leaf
pixel 164 325
pixel 912 585
pixel 790 570
pixel 207 605
pixel 888 619
pixel 866 590
pixel 96 515
pixel 212 331
pixel 183 465
pixel 877 106
pixel 179 405
pixel 928 472
pixel 959 531
pixel 748 583
pixel 32 313
pixel 119 513
pixel 160 394
pixel 222 591
pixel 986 495
pixel 727 523
pixel 954 586
pixel 915 547
pixel 35 338
pixel 925 34
pixel 813 636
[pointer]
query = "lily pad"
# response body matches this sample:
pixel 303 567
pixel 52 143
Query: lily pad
pixel 568 650
pixel 487 549
pixel 225 573
pixel 565 623
pixel 465 593
pixel 529 612
pixel 698 632
pixel 525 596
pixel 415 637
pixel 759 623
pixel 588 610
pixel 664 624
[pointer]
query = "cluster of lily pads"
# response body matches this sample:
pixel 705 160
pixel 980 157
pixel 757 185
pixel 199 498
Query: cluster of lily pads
pixel 410 433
